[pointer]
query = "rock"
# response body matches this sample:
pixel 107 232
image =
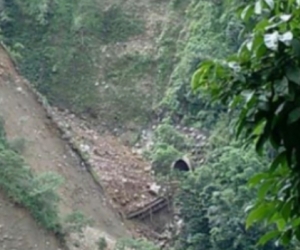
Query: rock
pixel 147 169
pixel 139 151
pixel 96 151
pixel 67 135
pixel 154 189
pixel 84 148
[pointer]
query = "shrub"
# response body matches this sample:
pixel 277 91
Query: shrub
pixel 162 156
pixel 166 133
pixel 135 244
pixel 102 244
pixel 35 192
pixel 75 222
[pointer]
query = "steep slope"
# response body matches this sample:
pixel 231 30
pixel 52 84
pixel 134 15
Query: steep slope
pixel 125 176
pixel 14 230
pixel 45 151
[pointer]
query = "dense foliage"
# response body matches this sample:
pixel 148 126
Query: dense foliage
pixel 210 30
pixel 60 50
pixel 213 200
pixel 262 80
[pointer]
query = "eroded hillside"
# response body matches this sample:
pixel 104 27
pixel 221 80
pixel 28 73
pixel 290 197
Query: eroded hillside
pixel 109 63
pixel 46 151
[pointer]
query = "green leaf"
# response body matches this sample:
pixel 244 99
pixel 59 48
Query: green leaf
pixel 258 7
pixel 294 115
pixel 247 13
pixel 257 214
pixel 195 79
pixel 263 190
pixel 267 237
pixel 286 210
pixel 297 233
pixel 241 122
pixel 280 224
pixel 293 74
pixel 270 3
pixel 236 100
pixel 261 142
pixel 296 47
pixel 257 179
pixel 280 159
pixel 259 127
pixel 296 222
pixel 286 237
pixel 280 108
pixel 261 25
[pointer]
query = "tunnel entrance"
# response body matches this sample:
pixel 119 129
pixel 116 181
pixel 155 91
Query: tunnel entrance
pixel 181 165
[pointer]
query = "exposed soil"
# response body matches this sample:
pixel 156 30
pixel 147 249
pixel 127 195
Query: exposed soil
pixel 20 232
pixel 125 176
pixel 46 151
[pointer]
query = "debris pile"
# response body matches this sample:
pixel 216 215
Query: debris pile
pixel 125 177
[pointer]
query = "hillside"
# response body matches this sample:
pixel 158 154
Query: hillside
pixel 45 151
pixel 117 108
pixel 14 233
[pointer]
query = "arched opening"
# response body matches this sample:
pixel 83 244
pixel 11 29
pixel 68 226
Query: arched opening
pixel 181 165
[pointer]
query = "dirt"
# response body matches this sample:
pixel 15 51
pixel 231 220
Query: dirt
pixel 125 176
pixel 46 151
pixel 19 231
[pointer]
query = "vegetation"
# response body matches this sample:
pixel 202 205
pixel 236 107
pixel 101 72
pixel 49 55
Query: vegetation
pixel 262 81
pixel 35 192
pixel 102 244
pixel 75 222
pixel 208 33
pixel 61 46
pixel 213 200
pixel 248 63
pixel 139 244
pixel 168 145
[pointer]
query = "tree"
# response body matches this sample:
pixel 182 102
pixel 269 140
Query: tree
pixel 262 81
pixel 212 202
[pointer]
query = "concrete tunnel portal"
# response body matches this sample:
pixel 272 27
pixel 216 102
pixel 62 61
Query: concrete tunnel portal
pixel 182 164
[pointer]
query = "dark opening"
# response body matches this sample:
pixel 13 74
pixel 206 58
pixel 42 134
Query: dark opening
pixel 181 165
